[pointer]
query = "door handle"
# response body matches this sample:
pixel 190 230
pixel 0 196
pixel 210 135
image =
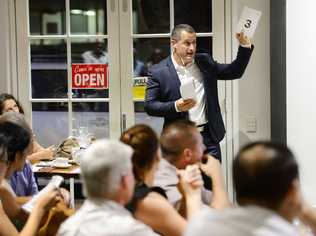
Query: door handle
pixel 123 122
pixel 112 5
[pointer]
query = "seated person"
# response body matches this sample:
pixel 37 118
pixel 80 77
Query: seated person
pixel 23 182
pixel 13 210
pixel 20 183
pixel 15 142
pixel 37 153
pixel 266 181
pixel 108 182
pixel 150 203
pixel 182 145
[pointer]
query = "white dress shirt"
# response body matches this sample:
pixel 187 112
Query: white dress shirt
pixel 108 218
pixel 241 221
pixel 197 113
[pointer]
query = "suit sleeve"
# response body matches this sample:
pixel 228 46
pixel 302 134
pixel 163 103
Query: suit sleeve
pixel 154 104
pixel 237 68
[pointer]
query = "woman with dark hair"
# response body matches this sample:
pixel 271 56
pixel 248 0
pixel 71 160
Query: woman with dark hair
pixel 23 182
pixel 10 103
pixel 149 204
pixel 20 183
pixel 15 143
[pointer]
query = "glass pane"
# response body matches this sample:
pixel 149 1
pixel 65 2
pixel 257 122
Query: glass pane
pixel 204 45
pixel 50 122
pixel 93 117
pixel 148 52
pixel 90 51
pixel 141 117
pixel 47 17
pixel 151 16
pixel 48 68
pixel 88 17
pixel 197 13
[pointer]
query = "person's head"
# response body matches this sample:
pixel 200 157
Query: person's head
pixel 14 147
pixel 183 43
pixel 16 118
pixel 156 56
pixel 99 47
pixel 266 174
pixel 106 171
pixel 9 103
pixel 145 159
pixel 181 143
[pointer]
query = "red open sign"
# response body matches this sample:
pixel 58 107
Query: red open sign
pixel 89 76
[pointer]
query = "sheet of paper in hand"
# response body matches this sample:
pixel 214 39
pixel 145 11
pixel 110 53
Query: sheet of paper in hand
pixel 55 182
pixel 248 21
pixel 187 89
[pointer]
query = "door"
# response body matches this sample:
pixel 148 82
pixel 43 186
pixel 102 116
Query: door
pixel 127 36
pixel 145 27
pixel 53 37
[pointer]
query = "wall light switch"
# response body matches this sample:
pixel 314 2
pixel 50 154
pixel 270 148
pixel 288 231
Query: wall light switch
pixel 251 126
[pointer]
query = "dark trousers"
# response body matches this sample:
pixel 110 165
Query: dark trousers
pixel 213 149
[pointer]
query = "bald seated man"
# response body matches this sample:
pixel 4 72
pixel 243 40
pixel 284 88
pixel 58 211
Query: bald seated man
pixel 182 145
pixel 266 180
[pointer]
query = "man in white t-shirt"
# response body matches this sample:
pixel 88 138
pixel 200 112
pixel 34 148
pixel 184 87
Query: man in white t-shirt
pixel 96 56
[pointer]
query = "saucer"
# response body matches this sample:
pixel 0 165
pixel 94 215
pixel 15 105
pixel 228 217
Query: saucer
pixel 61 165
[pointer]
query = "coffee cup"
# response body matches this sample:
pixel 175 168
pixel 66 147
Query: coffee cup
pixel 62 161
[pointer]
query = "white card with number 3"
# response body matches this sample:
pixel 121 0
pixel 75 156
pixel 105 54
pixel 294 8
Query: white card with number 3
pixel 248 21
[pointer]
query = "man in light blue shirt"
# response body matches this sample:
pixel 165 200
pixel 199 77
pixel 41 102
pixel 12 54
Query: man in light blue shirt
pixel 23 182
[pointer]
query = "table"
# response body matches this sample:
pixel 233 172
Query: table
pixel 71 173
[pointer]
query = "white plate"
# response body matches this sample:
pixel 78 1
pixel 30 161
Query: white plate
pixel 44 164
pixel 57 165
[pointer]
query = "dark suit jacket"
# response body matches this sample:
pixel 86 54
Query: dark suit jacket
pixel 163 89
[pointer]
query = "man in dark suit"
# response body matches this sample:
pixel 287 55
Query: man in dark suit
pixel 163 96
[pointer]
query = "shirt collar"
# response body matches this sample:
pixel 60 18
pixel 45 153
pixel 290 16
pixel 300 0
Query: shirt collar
pixel 93 203
pixel 167 165
pixel 180 67
pixel 272 218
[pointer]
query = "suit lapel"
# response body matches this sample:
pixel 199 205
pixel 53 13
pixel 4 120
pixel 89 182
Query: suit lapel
pixel 205 73
pixel 200 66
pixel 175 85
pixel 174 79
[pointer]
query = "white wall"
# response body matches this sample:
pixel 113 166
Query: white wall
pixel 253 91
pixel 301 89
pixel 7 48
pixel 3 46
pixel 250 96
